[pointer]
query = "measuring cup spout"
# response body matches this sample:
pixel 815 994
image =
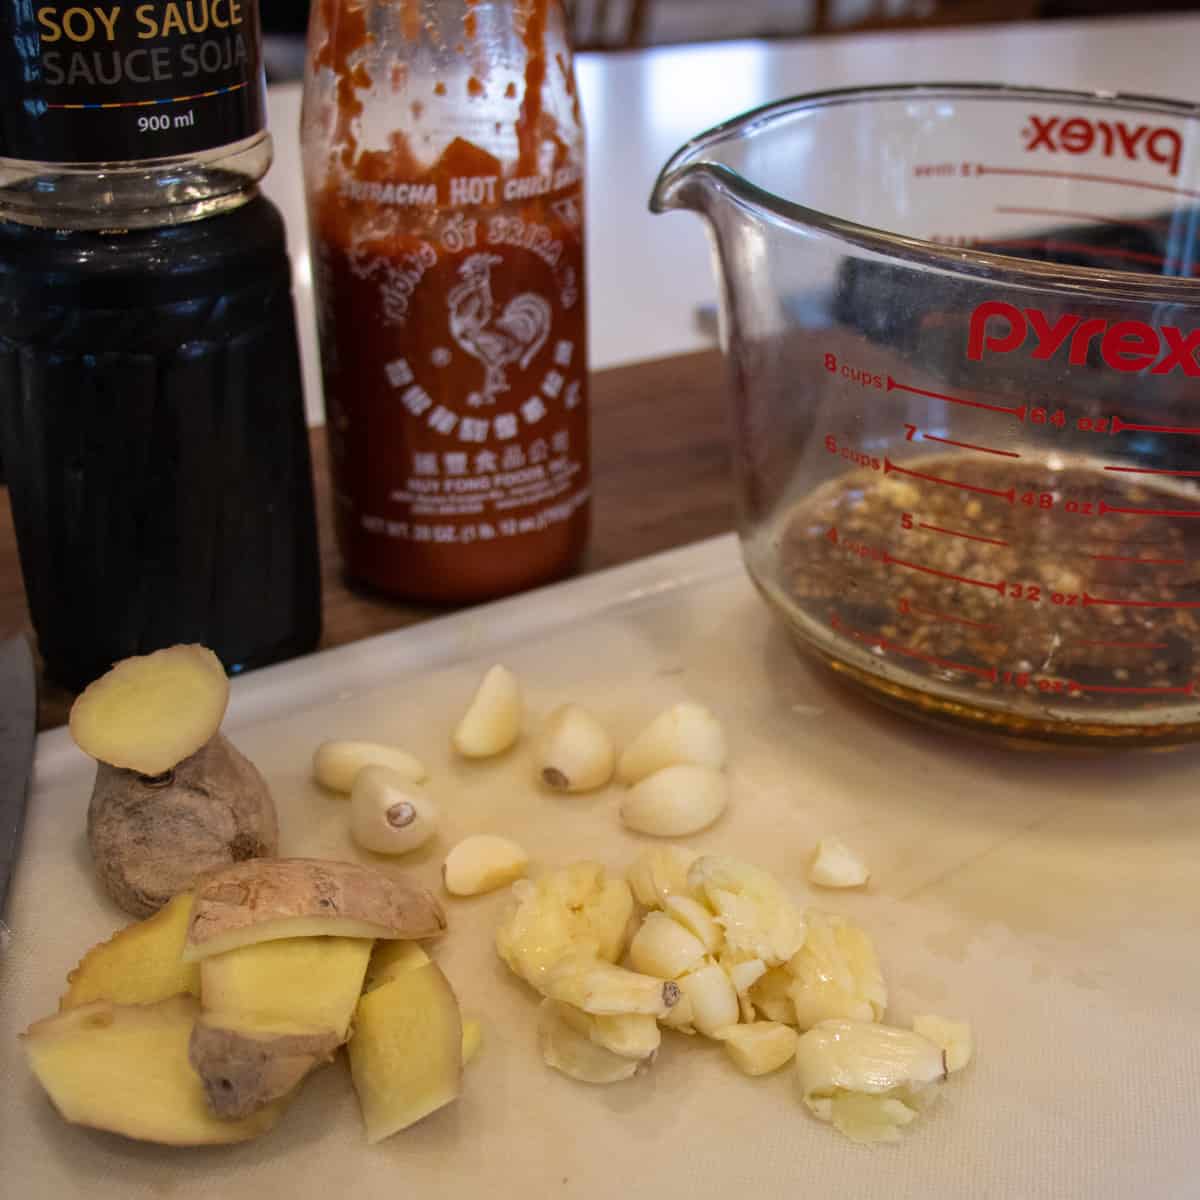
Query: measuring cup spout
pixel 690 180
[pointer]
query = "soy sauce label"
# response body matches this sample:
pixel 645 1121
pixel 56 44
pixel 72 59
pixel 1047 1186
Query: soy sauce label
pixel 123 80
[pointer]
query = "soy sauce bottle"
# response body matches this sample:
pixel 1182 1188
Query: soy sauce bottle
pixel 151 415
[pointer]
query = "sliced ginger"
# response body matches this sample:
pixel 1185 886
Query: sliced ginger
pixel 139 964
pixel 152 711
pixel 124 1069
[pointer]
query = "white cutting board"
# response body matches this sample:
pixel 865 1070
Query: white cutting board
pixel 1053 902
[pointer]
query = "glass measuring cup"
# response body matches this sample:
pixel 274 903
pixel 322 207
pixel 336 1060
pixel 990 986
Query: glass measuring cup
pixel 962 325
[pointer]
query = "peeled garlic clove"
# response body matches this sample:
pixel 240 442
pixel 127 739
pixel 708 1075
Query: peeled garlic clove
pixel 679 1016
pixel 472 1039
pixel 574 753
pixel 695 918
pixel 772 996
pixel 684 733
pixel 606 990
pixel 662 947
pixel 835 865
pixel 336 764
pixel 571 1052
pixel 675 801
pixel 492 722
pixel 744 975
pixel 954 1037
pixel 659 872
pixel 867 1079
pixel 760 1048
pixel 482 863
pixel 714 1002
pixel 390 814
pixel 631 1035
pixel 836 973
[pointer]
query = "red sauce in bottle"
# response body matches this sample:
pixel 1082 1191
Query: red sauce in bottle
pixel 453 337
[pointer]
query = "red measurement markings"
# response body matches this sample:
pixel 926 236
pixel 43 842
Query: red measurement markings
pixel 1129 558
pixel 1151 471
pixel 1115 690
pixel 893 386
pixel 900 562
pixel 1010 494
pixel 932 437
pixel 1081 216
pixel 955 620
pixel 1122 645
pixel 1187 430
pixel 1087 177
pixel 1105 507
pixel 1088 601
pixel 874 639
pixel 973 537
pixel 1082 248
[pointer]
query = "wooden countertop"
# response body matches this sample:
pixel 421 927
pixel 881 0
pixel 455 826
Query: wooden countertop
pixel 661 478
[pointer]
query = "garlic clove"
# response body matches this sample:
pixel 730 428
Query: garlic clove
pixel 835 865
pixel 336 764
pixel 658 873
pixel 631 1035
pixel 954 1037
pixel 760 1048
pixel 604 989
pixel 684 733
pixel 675 801
pixel 574 1054
pixel 492 722
pixel 662 947
pixel 695 918
pixel 869 1080
pixel 836 973
pixel 483 863
pixel 574 752
pixel 713 999
pixel 389 814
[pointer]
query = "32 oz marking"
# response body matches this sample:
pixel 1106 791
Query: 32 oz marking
pixel 160 122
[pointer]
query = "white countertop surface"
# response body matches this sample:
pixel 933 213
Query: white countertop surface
pixel 647 274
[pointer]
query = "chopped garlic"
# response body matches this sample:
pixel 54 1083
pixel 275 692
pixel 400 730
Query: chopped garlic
pixel 835 865
pixel 664 948
pixel 954 1037
pixel 836 973
pixel 660 872
pixel 760 1048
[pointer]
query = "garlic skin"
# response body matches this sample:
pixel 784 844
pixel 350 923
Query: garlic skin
pixel 835 865
pixel 389 814
pixel 675 801
pixel 482 863
pixel 336 763
pixel 492 722
pixel 684 733
pixel 574 752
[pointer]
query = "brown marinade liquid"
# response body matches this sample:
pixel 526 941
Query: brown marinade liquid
pixel 1051 601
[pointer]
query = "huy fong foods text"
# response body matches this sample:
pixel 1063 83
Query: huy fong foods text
pixel 142 43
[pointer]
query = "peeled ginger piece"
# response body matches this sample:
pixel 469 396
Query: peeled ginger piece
pixel 151 712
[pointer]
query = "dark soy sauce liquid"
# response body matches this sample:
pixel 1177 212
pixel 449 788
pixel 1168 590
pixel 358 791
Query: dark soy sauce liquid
pixel 153 436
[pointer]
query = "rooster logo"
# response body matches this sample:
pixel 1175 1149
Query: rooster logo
pixel 513 336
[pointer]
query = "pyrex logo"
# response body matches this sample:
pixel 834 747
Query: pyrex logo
pixel 1000 328
pixel 1113 139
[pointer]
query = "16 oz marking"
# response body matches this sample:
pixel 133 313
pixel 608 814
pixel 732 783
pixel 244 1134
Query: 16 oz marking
pixel 159 122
